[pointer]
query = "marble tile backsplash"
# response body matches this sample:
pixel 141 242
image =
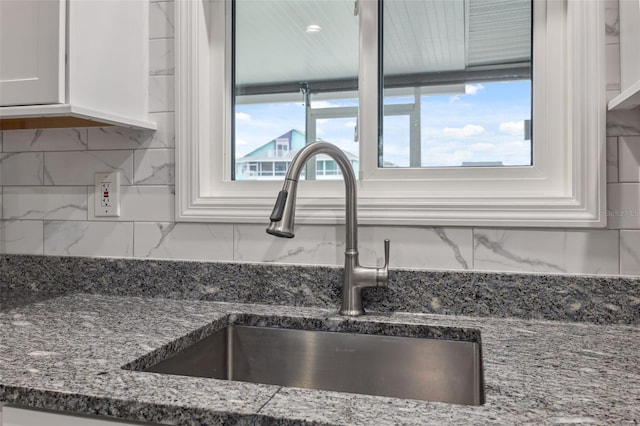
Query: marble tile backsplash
pixel 612 40
pixel 47 205
pixel 154 167
pixel 161 20
pixel 22 168
pixel 44 203
pixel 186 241
pixel 22 236
pixel 161 93
pixel 79 167
pixel 103 239
pixel 45 140
pixel 629 252
pixel 612 160
pixel 629 165
pixel 161 55
pixel 144 204
pixel 556 251
pixel 623 205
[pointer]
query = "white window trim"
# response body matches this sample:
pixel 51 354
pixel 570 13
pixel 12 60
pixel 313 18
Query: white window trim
pixel 566 188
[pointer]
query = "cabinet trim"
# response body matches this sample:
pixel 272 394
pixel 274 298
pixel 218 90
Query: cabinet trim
pixel 64 115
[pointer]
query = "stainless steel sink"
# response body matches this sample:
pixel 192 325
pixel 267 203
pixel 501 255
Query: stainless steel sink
pixel 402 367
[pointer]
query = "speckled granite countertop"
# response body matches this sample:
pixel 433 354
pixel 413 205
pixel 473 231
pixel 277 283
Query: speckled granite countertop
pixel 581 298
pixel 66 354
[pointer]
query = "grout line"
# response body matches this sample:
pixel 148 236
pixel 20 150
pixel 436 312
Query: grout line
pixel 43 239
pixel 619 251
pixel 233 242
pixel 473 248
pixel 618 158
pixel 133 234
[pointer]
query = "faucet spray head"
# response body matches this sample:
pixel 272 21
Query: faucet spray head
pixel 277 226
pixel 283 215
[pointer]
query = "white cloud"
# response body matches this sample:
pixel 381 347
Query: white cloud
pixel 350 124
pixel 472 89
pixel 513 128
pixel 243 116
pixel 241 142
pixel 468 130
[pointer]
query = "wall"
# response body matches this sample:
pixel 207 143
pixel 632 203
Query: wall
pixel 46 179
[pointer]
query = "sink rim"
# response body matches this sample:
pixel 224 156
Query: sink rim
pixel 435 370
pixel 330 323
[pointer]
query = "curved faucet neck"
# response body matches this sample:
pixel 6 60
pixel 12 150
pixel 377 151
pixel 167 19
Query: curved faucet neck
pixel 356 277
pixel 351 218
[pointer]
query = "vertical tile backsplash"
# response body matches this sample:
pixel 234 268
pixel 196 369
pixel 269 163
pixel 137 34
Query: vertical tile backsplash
pixel 161 22
pixel 612 160
pixel 161 57
pixel 612 49
pixel 630 252
pixel 629 163
pixel 623 205
pixel 46 199
pixel 161 93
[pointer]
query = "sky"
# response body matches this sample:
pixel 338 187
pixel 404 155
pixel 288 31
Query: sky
pixel 484 124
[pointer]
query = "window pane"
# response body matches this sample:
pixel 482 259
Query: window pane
pixel 265 132
pixel 292 59
pixel 457 83
pixel 397 130
pixel 340 132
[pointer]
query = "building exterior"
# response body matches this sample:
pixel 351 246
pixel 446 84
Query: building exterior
pixel 271 161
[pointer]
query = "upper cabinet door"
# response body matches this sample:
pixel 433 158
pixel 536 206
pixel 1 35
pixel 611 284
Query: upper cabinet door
pixel 32 52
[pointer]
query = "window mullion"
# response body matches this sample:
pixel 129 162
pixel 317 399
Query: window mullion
pixel 368 88
pixel 415 156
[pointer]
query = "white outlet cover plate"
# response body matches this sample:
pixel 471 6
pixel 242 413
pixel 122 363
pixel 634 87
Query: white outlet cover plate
pixel 112 179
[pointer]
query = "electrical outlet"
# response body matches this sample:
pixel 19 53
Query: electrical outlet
pixel 107 193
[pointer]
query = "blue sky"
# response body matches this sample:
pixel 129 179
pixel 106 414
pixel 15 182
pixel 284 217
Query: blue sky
pixel 485 124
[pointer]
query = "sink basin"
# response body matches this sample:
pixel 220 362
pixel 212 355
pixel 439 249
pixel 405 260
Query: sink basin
pixel 402 367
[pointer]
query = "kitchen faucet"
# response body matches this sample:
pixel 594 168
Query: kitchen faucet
pixel 356 277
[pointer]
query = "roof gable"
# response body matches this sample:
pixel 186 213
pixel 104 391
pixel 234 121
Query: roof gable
pixel 295 138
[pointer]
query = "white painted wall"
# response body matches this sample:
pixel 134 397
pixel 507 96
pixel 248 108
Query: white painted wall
pixel 46 192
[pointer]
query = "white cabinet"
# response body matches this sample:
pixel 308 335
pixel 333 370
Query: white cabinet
pixel 629 56
pixel 74 63
pixel 14 416
pixel 33 48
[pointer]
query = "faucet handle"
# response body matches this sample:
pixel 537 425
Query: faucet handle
pixel 382 274
pixel 387 245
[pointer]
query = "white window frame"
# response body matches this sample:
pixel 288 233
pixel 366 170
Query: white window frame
pixel 564 188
